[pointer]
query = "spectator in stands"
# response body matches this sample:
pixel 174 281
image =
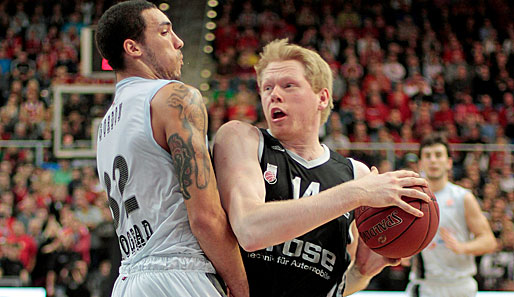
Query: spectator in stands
pixel 85 212
pixel 5 62
pixel 11 265
pixel 483 83
pixel 63 174
pixel 75 280
pixel 393 69
pixel 417 86
pixel 506 181
pixel 27 245
pixel 22 67
pixel 376 112
pixel 432 66
pixel 61 258
pixel 376 74
pixel 98 280
pixel 394 124
pixel 336 138
pixel 248 17
pixel 244 106
pixel 351 70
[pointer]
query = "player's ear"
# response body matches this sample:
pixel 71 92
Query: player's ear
pixel 324 98
pixel 132 48
pixel 450 163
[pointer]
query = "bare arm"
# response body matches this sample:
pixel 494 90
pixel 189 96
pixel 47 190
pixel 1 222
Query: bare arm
pixel 484 241
pixel 182 113
pixel 258 224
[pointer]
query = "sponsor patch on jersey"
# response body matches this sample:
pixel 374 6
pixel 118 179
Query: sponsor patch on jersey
pixel 270 175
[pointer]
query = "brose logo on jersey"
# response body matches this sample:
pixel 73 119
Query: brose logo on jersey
pixel 300 254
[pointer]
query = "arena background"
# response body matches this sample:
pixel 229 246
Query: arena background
pixel 402 69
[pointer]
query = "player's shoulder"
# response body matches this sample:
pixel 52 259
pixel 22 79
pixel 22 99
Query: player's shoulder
pixel 359 168
pixel 459 190
pixel 176 91
pixel 237 130
pixel 345 163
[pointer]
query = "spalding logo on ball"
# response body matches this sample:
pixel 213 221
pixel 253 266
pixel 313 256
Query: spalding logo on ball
pixel 394 233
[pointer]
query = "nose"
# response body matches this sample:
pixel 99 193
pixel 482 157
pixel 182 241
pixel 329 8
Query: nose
pixel 177 42
pixel 275 96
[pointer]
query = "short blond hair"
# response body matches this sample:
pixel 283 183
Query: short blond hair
pixel 317 71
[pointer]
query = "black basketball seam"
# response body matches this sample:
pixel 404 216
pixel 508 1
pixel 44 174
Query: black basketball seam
pixel 379 212
pixel 430 216
pixel 434 203
pixel 427 229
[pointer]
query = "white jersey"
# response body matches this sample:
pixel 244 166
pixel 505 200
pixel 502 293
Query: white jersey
pixel 439 263
pixel 149 213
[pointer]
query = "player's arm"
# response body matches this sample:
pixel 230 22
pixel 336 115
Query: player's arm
pixel 257 224
pixel 182 113
pixel 483 241
pixel 365 263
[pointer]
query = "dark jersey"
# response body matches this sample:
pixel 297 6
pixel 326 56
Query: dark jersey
pixel 312 264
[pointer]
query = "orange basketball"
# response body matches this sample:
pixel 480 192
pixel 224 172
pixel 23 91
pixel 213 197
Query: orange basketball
pixel 394 233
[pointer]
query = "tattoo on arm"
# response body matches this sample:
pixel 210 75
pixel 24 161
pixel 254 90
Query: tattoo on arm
pixel 181 156
pixel 184 151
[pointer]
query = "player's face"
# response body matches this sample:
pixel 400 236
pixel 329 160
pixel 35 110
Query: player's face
pixel 161 49
pixel 434 162
pixel 290 105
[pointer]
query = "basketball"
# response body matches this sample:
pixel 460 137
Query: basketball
pixel 394 233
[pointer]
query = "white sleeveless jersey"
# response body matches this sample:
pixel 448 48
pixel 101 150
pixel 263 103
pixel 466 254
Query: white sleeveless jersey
pixel 149 213
pixel 439 262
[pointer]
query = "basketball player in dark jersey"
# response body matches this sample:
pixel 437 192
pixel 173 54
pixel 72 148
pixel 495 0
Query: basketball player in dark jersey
pixel 290 199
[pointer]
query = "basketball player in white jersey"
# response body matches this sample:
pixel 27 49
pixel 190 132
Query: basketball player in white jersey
pixel 294 245
pixel 154 164
pixel 447 266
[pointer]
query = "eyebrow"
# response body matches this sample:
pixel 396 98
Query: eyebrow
pixel 166 23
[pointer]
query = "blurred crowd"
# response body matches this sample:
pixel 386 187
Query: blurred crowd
pixel 402 70
pixel 55 224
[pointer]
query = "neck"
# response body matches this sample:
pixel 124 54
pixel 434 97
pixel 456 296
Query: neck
pixel 437 185
pixel 120 75
pixel 308 150
pixel 138 69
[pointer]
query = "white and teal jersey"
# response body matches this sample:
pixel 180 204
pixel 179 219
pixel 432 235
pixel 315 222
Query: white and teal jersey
pixel 149 213
pixel 437 262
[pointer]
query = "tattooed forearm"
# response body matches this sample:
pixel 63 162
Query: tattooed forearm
pixel 181 156
pixel 188 101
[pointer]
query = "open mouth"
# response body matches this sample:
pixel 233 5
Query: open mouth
pixel 277 114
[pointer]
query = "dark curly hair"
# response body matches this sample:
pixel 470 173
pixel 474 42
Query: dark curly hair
pixel 118 23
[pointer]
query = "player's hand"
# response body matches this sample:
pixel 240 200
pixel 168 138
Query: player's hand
pixel 370 263
pixel 451 242
pixel 381 190
pixel 405 262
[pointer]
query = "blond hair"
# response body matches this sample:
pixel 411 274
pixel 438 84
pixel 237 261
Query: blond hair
pixel 317 71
